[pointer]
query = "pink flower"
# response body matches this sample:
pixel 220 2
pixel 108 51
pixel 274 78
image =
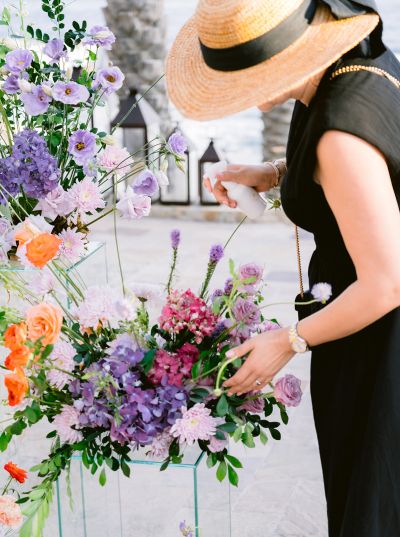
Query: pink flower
pixel 73 245
pixel 187 311
pixel 195 424
pixel 133 206
pixel 43 282
pixel 115 159
pixel 176 366
pixel 216 445
pixel 288 390
pixel 63 424
pixel 85 197
pixel 99 308
pixel 10 512
pixel 61 357
pixel 56 203
pixel 160 447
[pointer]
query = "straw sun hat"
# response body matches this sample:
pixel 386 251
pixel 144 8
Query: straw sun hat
pixel 236 54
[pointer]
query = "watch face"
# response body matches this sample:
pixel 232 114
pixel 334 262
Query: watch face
pixel 299 345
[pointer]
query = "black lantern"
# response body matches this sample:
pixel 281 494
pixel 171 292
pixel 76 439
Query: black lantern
pixel 210 157
pixel 139 122
pixel 178 190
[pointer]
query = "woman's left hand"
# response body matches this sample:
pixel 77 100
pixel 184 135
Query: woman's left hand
pixel 268 354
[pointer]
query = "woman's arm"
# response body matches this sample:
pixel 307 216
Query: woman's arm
pixel 358 188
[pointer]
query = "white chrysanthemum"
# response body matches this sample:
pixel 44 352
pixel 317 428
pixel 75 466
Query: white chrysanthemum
pixel 195 424
pixel 322 292
pixel 64 422
pixel 98 308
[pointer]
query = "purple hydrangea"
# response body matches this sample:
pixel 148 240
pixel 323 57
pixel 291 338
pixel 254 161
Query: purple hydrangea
pixel 101 36
pixel 175 238
pixel 18 60
pixel 177 143
pixel 216 253
pixel 82 146
pixel 113 398
pixel 110 79
pixel 30 167
pixel 70 92
pixel 55 50
pixel 145 184
pixel 36 102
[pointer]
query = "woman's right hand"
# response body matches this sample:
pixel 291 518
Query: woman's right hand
pixel 261 177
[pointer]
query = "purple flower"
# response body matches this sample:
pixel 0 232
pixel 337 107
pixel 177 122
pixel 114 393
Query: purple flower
pixel 30 166
pixel 54 49
pixel 133 206
pixel 322 292
pixel 175 238
pixel 197 423
pixel 73 245
pixel 82 146
pixel 18 60
pixel 251 271
pixel 110 79
pixel 288 390
pixel 245 311
pixel 145 184
pixel 256 406
pixel 37 102
pixel 177 143
pixel 91 167
pixel 10 85
pixel 216 253
pixel 70 92
pixel 228 287
pixel 100 36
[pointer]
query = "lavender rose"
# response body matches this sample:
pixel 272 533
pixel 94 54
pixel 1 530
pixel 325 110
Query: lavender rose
pixel 288 390
pixel 177 144
pixel 251 270
pixel 247 312
pixel 100 36
pixel 55 50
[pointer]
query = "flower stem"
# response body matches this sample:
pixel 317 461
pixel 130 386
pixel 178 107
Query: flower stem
pixel 172 271
pixel 116 238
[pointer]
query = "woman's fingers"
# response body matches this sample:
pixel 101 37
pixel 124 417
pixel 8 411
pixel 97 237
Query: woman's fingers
pixel 207 183
pixel 241 350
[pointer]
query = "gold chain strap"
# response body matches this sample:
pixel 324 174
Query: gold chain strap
pixel 356 68
pixel 341 71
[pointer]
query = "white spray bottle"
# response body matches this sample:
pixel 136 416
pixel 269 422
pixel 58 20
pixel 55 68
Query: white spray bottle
pixel 247 199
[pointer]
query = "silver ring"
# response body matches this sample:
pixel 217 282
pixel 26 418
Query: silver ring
pixel 258 382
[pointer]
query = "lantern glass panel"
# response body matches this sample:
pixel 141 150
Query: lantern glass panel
pixel 178 189
pixel 206 196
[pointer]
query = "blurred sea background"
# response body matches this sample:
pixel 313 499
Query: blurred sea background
pixel 239 137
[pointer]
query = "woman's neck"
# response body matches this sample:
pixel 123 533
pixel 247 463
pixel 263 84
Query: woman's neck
pixel 307 92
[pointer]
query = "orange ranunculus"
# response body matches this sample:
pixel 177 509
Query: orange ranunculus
pixel 42 249
pixel 26 232
pixel 15 336
pixel 15 472
pixel 44 321
pixel 18 358
pixel 17 386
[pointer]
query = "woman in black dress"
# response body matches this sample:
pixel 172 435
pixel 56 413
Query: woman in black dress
pixel 343 185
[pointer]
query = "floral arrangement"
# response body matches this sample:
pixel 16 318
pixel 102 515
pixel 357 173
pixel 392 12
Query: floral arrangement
pixel 10 511
pixel 111 381
pixel 57 171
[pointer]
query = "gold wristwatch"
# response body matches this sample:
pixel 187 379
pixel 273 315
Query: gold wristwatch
pixel 298 344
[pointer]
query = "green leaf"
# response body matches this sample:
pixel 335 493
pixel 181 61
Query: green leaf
pixel 212 460
pixel 263 437
pixel 92 55
pixel 248 440
pixel 148 360
pixel 234 461
pixel 126 469
pixel 227 427
pixel 221 471
pixel 6 16
pixel 284 417
pixel 222 406
pixel 4 441
pixel 103 477
pixel 237 435
pixel 233 477
pixel 276 435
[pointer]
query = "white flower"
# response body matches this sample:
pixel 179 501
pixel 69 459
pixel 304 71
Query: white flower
pixel 109 140
pixel 133 206
pixel 161 177
pixel 47 89
pixel 24 86
pixel 42 282
pixel 322 292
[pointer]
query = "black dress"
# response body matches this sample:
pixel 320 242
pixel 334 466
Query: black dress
pixel 355 381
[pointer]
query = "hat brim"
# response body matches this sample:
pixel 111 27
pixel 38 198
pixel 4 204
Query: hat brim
pixel 202 93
